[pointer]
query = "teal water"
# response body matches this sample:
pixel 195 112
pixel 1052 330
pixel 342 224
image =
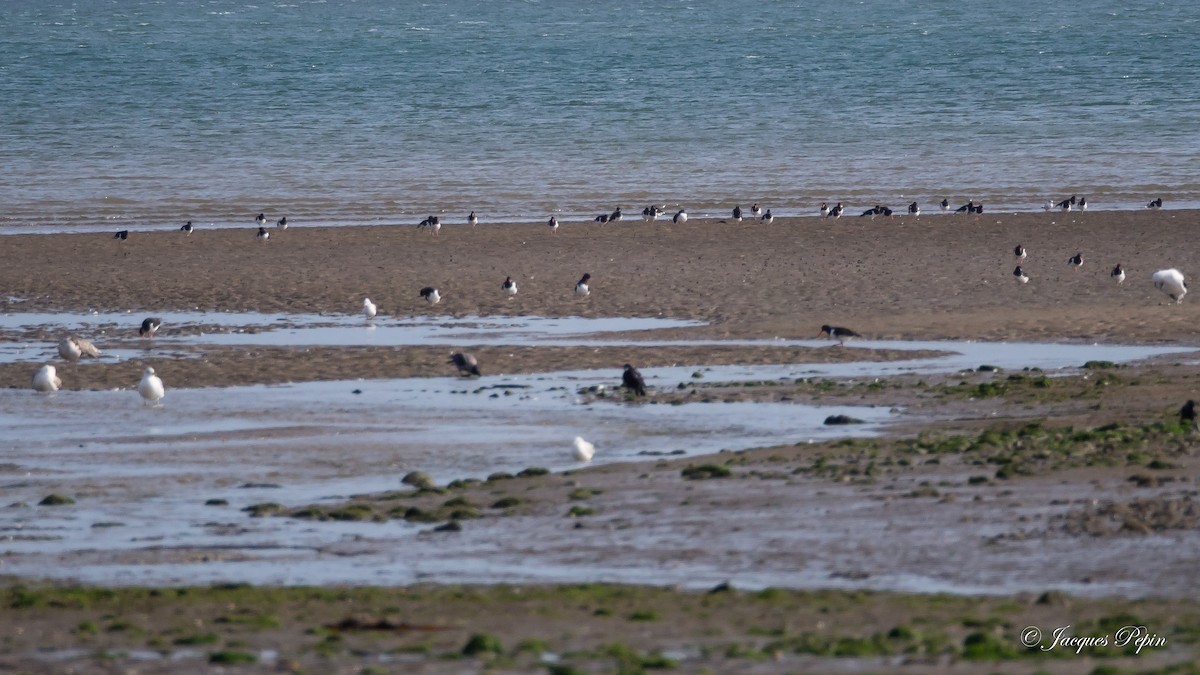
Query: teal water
pixel 147 113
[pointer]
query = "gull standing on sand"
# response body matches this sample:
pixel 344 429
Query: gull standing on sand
pixel 1171 282
pixel 150 387
pixel 368 309
pixel 149 327
pixel 472 219
pixel 74 348
pixel 466 363
pixel 583 451
pixel 431 295
pixel 1019 275
pixel 1117 274
pixel 187 229
pixel 553 223
pixel 680 217
pixel 263 235
pixel 509 286
pixel 582 288
pixel 1075 261
pixel 46 380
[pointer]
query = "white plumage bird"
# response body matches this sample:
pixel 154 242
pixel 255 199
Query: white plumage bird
pixel 1171 282
pixel 369 309
pixel 583 451
pixel 73 348
pixel 46 379
pixel 151 387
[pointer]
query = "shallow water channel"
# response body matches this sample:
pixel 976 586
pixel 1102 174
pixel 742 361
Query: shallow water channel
pixel 141 476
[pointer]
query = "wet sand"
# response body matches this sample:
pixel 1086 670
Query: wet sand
pixel 934 277
pixel 882 519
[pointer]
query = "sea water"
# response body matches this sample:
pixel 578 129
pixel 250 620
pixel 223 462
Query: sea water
pixel 148 113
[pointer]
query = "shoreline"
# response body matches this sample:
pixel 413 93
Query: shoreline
pixel 457 220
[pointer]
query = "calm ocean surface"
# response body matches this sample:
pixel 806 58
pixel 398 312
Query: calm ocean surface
pixel 143 114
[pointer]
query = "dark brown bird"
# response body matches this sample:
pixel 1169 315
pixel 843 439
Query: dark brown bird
pixel 1187 414
pixel 466 364
pixel 632 380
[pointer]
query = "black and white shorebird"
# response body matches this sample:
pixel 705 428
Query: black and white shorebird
pixel 433 223
pixel 1020 276
pixel 978 209
pixel 282 223
pixel 837 333
pixel 651 213
pixel 1117 274
pixel 369 309
pixel 509 286
pixel 1066 204
pixel 632 380
pixel 680 217
pixel 553 223
pixel 1019 252
pixel 767 218
pixel 602 218
pixel 969 207
pixel 1171 282
pixel 1187 415
pixel 582 288
pixel 1155 203
pixel 737 213
pixel 914 210
pixel 187 229
pixel 472 219
pixel 1075 261
pixel 836 211
pixel 945 203
pixel 824 209
pixel 431 295
pixel 886 212
pixel 122 235
pixel 466 363
pixel 756 210
pixel 1082 204
pixel 149 327
pixel 260 219
pixel 873 211
pixel 263 235
pixel 615 216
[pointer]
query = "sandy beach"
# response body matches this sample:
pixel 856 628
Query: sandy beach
pixel 991 480
pixel 931 277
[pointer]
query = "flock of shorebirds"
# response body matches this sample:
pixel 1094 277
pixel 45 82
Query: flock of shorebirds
pixel 653 213
pixel 73 348
pixel 150 387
